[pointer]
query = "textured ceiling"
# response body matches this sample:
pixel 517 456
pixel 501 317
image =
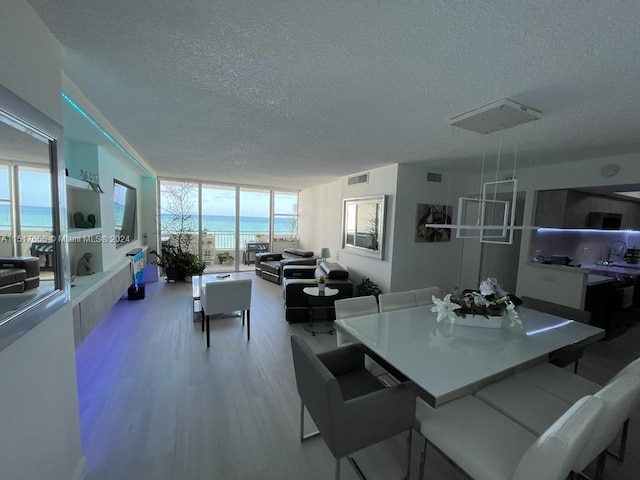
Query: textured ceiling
pixel 293 93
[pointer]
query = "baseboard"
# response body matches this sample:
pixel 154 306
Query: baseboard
pixel 81 470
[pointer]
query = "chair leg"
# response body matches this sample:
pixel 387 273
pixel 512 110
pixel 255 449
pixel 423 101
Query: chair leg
pixel 623 443
pixel 337 471
pixel 423 457
pixel 602 459
pixel 248 325
pixel 243 317
pixel 409 438
pixel 208 341
pixel 304 437
pixel 575 367
pixel 202 318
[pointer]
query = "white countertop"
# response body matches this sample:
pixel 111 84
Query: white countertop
pixel 447 361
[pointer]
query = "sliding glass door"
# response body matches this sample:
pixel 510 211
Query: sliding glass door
pixel 231 224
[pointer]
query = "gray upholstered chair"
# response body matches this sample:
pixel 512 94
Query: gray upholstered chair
pixel 224 297
pixel 350 407
pixel 354 307
pixel 396 300
pixel 423 295
pixel 536 397
pixel 488 445
pixel 567 355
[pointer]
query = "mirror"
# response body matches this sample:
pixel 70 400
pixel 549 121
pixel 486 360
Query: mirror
pixel 30 267
pixel 363 226
pixel 124 213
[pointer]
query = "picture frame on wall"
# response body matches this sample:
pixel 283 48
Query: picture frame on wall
pixel 432 214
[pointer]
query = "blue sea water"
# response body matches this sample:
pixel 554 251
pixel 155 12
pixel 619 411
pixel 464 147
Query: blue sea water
pixel 40 219
pixel 37 219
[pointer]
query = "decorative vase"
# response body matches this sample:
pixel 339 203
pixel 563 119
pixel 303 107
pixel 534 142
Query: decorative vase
pixel 321 287
pixel 478 321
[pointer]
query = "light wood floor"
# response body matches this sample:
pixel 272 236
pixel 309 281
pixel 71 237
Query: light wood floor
pixel 156 404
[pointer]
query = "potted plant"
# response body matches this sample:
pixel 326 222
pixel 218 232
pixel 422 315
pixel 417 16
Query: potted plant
pixel 177 263
pixel 367 287
pixel 225 258
pixel 322 282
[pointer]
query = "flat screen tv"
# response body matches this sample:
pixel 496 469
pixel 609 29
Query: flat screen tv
pixel 124 212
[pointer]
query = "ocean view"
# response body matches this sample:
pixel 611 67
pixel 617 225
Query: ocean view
pixel 39 219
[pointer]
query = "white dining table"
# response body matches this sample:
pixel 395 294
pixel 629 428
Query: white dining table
pixel 447 361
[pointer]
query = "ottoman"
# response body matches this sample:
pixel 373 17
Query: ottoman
pixel 271 270
pixel 30 266
pixel 12 280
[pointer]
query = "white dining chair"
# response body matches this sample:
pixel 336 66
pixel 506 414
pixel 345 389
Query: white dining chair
pixel 536 399
pixel 353 307
pixel 396 300
pixel 423 295
pixel 487 445
pixel 225 297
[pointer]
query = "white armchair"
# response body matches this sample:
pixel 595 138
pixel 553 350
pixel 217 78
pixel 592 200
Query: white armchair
pixel 224 297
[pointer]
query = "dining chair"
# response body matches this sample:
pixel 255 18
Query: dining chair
pixel 396 300
pixel 350 407
pixel 353 307
pixel 535 407
pixel 225 297
pixel 567 355
pixel 487 445
pixel 423 295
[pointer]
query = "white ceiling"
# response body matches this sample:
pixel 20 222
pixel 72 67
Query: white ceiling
pixel 293 93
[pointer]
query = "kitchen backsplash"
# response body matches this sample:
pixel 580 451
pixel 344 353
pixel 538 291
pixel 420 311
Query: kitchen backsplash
pixel 582 246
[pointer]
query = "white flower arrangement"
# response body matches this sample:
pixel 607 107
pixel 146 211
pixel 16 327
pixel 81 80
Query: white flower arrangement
pixel 489 300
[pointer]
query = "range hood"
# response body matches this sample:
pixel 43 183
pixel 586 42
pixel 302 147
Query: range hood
pixel 604 220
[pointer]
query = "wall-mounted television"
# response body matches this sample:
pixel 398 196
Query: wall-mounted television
pixel 124 212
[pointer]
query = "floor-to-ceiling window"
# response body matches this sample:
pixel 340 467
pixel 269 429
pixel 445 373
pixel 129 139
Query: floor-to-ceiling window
pixel 232 219
pixel 26 216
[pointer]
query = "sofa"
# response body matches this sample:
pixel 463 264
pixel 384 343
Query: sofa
pixel 297 277
pixel 18 274
pixel 269 265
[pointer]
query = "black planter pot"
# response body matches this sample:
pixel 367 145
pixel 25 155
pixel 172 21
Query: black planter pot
pixel 173 275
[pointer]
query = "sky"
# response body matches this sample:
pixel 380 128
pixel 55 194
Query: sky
pixel 253 203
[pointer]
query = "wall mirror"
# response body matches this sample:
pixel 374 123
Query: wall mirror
pixel 31 272
pixel 124 212
pixel 363 226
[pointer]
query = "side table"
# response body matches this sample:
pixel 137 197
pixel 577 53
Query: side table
pixel 320 301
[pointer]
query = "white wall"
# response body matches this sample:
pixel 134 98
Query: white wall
pixel 39 426
pixel 424 264
pixel 110 169
pixel 319 210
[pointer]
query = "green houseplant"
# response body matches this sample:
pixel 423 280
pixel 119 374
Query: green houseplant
pixel 225 258
pixel 177 263
pixel 367 287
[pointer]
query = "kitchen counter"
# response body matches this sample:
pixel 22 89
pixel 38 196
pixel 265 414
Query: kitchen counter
pixel 594 279
pixel 612 270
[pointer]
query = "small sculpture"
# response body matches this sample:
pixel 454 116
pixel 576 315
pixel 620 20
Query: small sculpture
pixel 84 265
pixel 91 218
pixel 79 221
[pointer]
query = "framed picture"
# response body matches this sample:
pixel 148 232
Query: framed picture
pixel 428 214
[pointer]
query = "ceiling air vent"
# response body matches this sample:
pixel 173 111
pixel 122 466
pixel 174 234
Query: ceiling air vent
pixel 364 178
pixel 434 177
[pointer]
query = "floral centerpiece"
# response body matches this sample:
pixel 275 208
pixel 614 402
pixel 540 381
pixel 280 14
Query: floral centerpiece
pixel 488 301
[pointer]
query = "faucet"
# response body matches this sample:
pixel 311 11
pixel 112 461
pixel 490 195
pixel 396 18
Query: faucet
pixel 616 248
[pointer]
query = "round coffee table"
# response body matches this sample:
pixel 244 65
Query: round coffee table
pixel 320 301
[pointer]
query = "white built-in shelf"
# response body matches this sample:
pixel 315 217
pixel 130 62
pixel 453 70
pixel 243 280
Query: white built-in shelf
pixel 75 184
pixel 84 232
